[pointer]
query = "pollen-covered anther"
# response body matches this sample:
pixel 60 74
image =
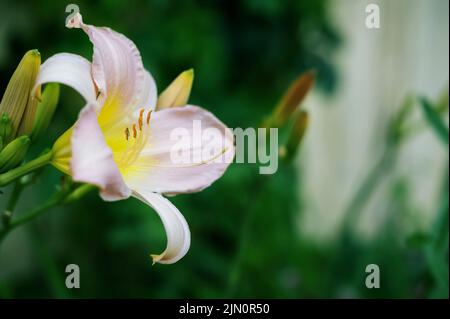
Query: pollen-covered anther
pixel 141 113
pixel 149 115
pixel 127 133
pixel 134 131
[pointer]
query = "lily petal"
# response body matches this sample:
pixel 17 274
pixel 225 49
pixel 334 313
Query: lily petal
pixel 155 169
pixel 149 97
pixel 177 229
pixel 92 160
pixel 71 70
pixel 117 70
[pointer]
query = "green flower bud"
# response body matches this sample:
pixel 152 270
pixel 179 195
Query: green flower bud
pixel 45 110
pixel 13 153
pixel 5 129
pixel 17 101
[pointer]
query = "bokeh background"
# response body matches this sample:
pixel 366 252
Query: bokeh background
pixel 367 186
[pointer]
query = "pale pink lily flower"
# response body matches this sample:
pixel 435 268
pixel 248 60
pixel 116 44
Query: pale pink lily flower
pixel 119 145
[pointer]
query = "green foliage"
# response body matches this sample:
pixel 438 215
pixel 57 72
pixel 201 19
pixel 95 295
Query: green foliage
pixel 435 120
pixel 245 235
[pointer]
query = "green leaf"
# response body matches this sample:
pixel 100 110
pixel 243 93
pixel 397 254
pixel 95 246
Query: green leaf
pixel 435 120
pixel 417 239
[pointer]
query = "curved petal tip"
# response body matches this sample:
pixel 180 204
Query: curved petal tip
pixel 75 22
pixel 175 225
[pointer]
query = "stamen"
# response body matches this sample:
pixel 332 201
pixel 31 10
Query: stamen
pixel 149 114
pixel 140 135
pixel 141 113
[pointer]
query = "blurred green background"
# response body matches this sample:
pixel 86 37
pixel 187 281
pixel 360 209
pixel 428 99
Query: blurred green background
pixel 368 186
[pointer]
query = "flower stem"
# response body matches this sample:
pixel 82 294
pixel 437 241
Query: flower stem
pixel 12 202
pixel 62 196
pixel 54 200
pixel 79 192
pixel 367 188
pixel 51 202
pixel 25 169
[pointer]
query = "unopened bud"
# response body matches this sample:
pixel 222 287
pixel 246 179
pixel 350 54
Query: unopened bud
pixel 45 110
pixel 17 100
pixel 177 93
pixel 292 98
pixel 14 153
pixel 5 129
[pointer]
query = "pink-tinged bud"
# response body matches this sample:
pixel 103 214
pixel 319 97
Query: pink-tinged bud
pixel 292 99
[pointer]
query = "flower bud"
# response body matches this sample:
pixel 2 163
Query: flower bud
pixel 18 102
pixel 297 132
pixel 177 93
pixel 13 153
pixel 45 110
pixel 5 129
pixel 292 98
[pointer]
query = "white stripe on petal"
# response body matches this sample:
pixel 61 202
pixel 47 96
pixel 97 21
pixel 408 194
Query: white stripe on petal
pixel 177 229
pixel 92 160
pixel 71 70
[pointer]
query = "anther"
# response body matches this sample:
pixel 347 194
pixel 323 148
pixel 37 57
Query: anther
pixel 148 116
pixel 141 113
pixel 134 131
pixel 127 133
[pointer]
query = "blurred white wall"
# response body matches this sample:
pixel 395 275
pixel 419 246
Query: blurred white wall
pixel 377 68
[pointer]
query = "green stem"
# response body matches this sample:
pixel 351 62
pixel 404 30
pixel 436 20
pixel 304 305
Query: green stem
pixel 53 201
pixel 12 202
pixel 367 188
pixel 60 197
pixel 79 192
pixel 25 169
